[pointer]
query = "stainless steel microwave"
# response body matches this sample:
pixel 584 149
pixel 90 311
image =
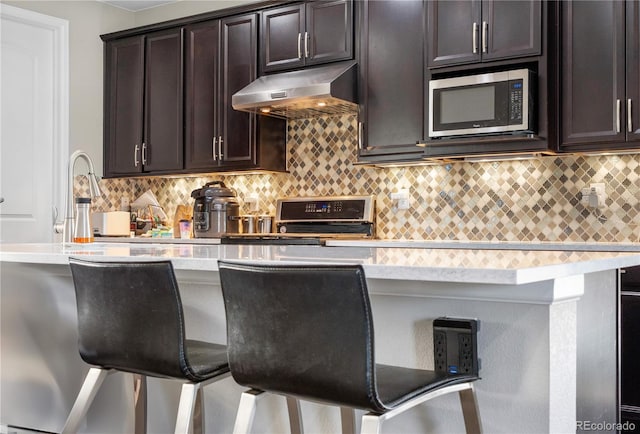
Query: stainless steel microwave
pixel 492 103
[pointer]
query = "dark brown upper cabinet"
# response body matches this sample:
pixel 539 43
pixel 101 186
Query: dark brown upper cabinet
pixel 124 100
pixel 168 99
pixel 221 58
pixel 202 73
pixel 210 142
pixel 306 34
pixel 162 146
pixel 471 31
pixel 600 77
pixel 391 81
pixel 143 104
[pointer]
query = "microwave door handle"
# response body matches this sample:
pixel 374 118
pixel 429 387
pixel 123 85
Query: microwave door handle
pixel 474 37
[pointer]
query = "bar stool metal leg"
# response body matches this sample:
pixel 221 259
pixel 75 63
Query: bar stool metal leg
pixel 246 411
pixel 371 424
pixel 470 411
pixel 198 413
pixel 140 403
pixel 185 407
pixel 348 420
pixel 295 415
pixel 92 383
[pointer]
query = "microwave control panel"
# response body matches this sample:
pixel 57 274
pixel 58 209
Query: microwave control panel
pixel 515 101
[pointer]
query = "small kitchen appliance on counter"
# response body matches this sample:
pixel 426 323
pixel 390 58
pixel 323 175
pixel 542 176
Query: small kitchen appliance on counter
pixel 215 212
pixel 111 224
pixel 312 220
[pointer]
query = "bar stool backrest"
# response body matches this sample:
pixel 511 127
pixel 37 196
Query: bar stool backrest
pixel 130 316
pixel 305 331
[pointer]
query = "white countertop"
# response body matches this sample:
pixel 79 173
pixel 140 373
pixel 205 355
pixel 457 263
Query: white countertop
pixel 157 240
pixel 493 245
pixel 492 266
pixel 419 244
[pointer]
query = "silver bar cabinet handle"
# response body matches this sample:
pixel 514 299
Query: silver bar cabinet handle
pixel 306 44
pixel 617 116
pixel 299 45
pixel 629 120
pixel 213 149
pixel 220 147
pixel 360 135
pixel 136 148
pixel 485 36
pixel 144 153
pixel 474 37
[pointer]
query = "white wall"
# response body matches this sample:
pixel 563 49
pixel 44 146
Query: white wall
pixel 87 21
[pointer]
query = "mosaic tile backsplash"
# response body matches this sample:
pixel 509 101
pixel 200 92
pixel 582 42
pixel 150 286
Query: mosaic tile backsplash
pixel 530 200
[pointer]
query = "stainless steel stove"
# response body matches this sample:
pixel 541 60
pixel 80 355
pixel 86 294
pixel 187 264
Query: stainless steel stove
pixel 312 220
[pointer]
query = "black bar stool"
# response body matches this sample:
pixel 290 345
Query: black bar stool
pixel 307 332
pixel 130 319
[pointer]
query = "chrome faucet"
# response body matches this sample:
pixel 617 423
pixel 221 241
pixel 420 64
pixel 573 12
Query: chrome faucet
pixel 94 189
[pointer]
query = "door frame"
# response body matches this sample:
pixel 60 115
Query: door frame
pixel 60 30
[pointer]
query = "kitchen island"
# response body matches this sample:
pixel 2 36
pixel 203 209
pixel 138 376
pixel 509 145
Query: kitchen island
pixel 547 339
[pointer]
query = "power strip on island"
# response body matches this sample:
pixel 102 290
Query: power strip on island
pixel 455 345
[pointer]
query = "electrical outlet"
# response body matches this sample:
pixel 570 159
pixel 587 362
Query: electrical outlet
pixel 440 350
pixel 586 191
pixel 600 195
pixel 251 201
pixel 594 196
pixel 400 199
pixel 455 345
pixel 465 352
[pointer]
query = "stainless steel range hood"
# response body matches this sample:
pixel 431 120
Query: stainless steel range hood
pixel 325 90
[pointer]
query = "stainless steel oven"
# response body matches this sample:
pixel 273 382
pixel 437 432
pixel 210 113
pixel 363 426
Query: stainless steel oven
pixel 493 103
pixel 311 220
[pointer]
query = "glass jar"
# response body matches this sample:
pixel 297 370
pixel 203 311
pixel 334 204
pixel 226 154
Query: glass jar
pixel 82 231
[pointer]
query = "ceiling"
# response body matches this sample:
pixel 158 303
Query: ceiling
pixel 137 5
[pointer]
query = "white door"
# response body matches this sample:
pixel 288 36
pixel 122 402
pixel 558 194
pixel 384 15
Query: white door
pixel 34 123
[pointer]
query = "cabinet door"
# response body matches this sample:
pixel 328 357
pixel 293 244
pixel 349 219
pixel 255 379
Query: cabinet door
pixel 202 66
pixel 329 31
pixel 123 115
pixel 453 32
pixel 163 136
pixel 593 74
pixel 391 96
pixel 511 29
pixel 632 123
pixel 239 54
pixel 281 34
pixel 630 349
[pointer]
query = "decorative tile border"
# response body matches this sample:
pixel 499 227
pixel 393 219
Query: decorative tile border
pixel 531 200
